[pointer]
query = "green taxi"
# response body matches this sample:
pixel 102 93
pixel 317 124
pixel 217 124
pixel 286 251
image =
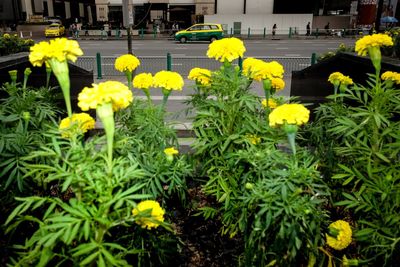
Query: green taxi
pixel 201 32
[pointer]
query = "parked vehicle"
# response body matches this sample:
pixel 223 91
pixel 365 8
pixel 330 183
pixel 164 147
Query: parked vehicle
pixel 54 29
pixel 200 32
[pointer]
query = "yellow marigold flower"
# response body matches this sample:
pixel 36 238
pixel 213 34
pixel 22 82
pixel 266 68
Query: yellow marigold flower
pixel 392 76
pixel 271 103
pixel 143 81
pixel 171 151
pixel 111 91
pixel 259 70
pixel 254 139
pixel 346 80
pixel 60 49
pixel 275 69
pixel 338 78
pixel 79 123
pixel 126 62
pixel 168 80
pixel 200 75
pixel 6 35
pixel 374 40
pixel 226 49
pixel 277 84
pixel 252 68
pixel 343 238
pixel 156 215
pixel 290 114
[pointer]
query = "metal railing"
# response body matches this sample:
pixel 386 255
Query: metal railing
pixel 103 67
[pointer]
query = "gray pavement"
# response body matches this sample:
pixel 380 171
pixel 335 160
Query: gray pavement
pixel 255 47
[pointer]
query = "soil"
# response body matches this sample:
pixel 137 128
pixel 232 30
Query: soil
pixel 204 245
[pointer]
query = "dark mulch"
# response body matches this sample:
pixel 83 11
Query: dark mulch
pixel 203 244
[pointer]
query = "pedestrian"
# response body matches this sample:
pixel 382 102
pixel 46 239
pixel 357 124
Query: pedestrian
pixel 158 29
pixel 274 29
pixel 308 27
pixel 327 26
pixel 74 30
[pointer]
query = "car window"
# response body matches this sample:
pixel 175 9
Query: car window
pixel 54 27
pixel 214 27
pixel 205 27
pixel 195 28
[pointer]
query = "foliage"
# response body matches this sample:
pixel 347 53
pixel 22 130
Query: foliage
pixel 77 229
pixel 24 115
pixel 264 194
pixel 144 135
pixel 11 44
pixel 342 48
pixel 358 142
pixel 282 206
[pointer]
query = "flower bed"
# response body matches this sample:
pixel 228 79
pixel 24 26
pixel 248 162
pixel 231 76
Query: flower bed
pixel 128 197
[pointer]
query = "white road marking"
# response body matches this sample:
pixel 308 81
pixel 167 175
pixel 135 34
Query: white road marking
pixel 292 55
pixel 180 48
pixel 282 48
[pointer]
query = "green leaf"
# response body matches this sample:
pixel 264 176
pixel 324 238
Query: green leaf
pixel 74 232
pixel 364 233
pixel 84 249
pixel 348 180
pixel 382 157
pixel 45 256
pixel 110 258
pixel 49 210
pixel 53 239
pixel 86 230
pixel 340 176
pixel 90 258
pixel 101 262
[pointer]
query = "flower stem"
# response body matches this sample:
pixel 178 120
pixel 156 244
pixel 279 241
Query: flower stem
pixel 106 116
pixel 48 74
pixel 267 92
pixel 166 94
pixel 60 70
pixel 129 78
pixel 147 93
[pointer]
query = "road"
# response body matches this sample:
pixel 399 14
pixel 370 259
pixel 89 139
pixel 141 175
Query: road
pixel 255 48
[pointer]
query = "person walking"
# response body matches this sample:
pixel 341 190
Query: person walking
pixel 308 27
pixel 274 29
pixel 327 26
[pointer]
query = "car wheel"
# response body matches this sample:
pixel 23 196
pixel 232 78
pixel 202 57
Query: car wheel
pixel 213 38
pixel 183 39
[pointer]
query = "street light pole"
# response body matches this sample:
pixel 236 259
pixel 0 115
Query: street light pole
pixel 127 14
pixel 378 15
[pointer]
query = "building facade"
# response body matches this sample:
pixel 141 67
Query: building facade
pixel 256 14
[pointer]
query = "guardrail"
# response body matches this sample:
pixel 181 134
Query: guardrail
pixel 263 33
pixel 103 66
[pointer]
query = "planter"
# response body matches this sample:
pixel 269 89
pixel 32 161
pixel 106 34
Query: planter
pixel 311 84
pixel 79 77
